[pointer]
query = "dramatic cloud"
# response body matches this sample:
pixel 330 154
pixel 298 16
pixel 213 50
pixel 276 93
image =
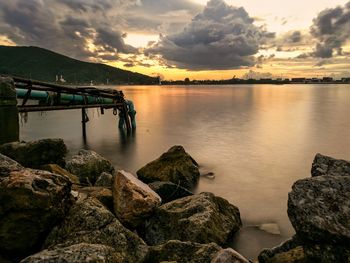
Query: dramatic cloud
pixel 331 28
pixel 155 16
pixel 83 29
pixel 220 37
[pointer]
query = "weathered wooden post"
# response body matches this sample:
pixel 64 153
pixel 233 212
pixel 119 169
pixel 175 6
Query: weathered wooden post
pixel 9 122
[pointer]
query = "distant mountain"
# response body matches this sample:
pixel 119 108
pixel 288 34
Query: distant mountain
pixel 42 64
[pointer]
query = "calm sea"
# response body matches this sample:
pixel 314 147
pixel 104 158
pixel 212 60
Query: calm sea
pixel 256 139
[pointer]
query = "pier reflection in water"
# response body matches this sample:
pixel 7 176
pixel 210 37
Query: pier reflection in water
pixel 257 140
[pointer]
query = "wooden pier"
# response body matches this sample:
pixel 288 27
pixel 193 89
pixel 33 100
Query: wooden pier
pixel 50 97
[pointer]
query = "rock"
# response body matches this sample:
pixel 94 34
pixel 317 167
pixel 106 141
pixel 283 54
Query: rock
pixel 228 255
pixel 133 200
pixel 319 209
pixel 271 228
pixel 102 194
pixel 184 252
pixel 88 221
pixel 36 153
pixel 175 166
pixel 201 218
pixel 7 165
pixel 32 202
pixel 56 169
pixel 327 253
pixel 105 179
pixel 88 165
pixel 169 191
pixel 291 251
pixel 76 253
pixel 324 165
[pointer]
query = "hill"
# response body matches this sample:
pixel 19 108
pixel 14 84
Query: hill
pixel 42 64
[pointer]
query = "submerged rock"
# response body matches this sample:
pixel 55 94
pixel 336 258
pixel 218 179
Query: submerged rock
pixel 228 255
pixel 169 191
pixel 184 252
pixel 7 165
pixel 325 165
pixel 105 180
pixel 133 200
pixel 32 202
pixel 88 165
pixel 291 251
pixel 175 166
pixel 201 218
pixel 88 221
pixel 56 169
pixel 319 209
pixel 77 253
pixel 36 153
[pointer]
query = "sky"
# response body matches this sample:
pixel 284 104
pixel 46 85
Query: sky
pixel 196 39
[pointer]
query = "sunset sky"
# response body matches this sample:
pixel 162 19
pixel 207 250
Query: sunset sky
pixel 198 39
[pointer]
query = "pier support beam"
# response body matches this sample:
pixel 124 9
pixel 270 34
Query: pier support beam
pixel 9 122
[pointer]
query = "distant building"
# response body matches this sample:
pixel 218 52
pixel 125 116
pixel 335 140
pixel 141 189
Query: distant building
pixel 327 79
pixel 298 80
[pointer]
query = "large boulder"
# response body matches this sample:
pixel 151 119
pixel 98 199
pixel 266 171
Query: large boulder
pixel 327 253
pixel 169 191
pixel 133 200
pixel 7 165
pixel 104 180
pixel 325 165
pixel 88 165
pixel 76 253
pixel 318 208
pixel 175 166
pixel 32 203
pixel 56 169
pixel 88 221
pixel 184 252
pixel 201 218
pixel 290 251
pixel 36 153
pixel 228 255
pixel 104 195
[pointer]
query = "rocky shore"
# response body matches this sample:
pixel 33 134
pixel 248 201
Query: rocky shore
pixel 80 209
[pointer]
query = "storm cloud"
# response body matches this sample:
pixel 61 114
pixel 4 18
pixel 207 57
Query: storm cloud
pixel 81 29
pixel 331 28
pixel 220 37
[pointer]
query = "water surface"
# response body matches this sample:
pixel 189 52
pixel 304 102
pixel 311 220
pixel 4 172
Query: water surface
pixel 256 139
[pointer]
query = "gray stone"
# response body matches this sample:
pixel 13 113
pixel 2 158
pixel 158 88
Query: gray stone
pixel 93 253
pixel 104 180
pixel 175 166
pixel 319 209
pixel 88 221
pixel 201 218
pixel 104 195
pixel 290 251
pixel 88 165
pixel 325 165
pixel 184 252
pixel 133 200
pixel 32 203
pixel 327 253
pixel 169 191
pixel 36 153
pixel 228 255
pixel 7 165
